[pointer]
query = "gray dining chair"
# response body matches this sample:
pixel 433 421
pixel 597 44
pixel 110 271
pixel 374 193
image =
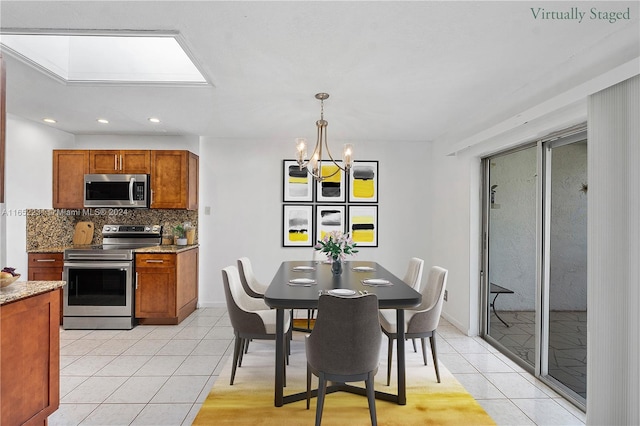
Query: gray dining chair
pixel 251 285
pixel 249 318
pixel 344 346
pixel 421 321
pixel 413 278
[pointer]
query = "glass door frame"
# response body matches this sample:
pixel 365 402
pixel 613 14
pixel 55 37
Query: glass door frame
pixel 485 310
pixel 543 229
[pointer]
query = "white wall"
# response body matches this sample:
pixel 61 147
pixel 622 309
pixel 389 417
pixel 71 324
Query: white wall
pixel 241 181
pixel 29 174
pixel 191 143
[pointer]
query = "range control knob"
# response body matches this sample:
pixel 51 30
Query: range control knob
pixel 147 229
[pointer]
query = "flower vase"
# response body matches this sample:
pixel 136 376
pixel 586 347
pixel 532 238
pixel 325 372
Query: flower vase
pixel 336 267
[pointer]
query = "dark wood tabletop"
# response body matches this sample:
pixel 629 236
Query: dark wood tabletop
pixel 281 294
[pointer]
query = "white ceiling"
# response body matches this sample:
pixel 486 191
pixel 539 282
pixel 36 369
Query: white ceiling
pixel 410 71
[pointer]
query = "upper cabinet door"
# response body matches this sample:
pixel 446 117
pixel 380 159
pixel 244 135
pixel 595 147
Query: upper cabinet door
pixel 69 168
pixel 120 161
pixel 174 180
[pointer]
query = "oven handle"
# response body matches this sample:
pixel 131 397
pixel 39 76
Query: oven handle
pixel 99 265
pixel 88 256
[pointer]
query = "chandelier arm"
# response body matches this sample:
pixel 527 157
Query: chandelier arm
pixel 321 138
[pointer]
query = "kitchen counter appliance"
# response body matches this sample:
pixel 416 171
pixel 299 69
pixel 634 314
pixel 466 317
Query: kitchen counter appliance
pixel 100 286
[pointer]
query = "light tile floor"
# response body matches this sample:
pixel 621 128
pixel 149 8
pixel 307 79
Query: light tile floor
pixel 160 375
pixel 567 343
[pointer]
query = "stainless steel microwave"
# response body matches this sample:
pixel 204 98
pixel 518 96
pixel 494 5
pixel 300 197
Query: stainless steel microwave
pixel 112 190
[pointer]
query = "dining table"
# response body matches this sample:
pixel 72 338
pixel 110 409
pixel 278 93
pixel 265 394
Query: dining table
pixel 299 284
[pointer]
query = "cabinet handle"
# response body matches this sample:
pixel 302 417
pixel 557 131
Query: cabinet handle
pixel 154 261
pixel 136 280
pixel 45 260
pixel 115 162
pixel 121 162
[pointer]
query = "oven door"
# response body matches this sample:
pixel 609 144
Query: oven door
pixel 98 289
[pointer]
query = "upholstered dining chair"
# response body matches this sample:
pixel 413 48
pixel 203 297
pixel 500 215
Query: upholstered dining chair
pixel 251 285
pixel 421 321
pixel 413 276
pixel 344 346
pixel 249 318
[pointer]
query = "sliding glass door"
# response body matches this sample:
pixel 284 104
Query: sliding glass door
pixel 566 220
pixel 534 259
pixel 512 248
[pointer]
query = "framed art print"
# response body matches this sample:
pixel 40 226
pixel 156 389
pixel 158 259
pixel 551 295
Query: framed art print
pixel 297 184
pixel 363 225
pixel 363 182
pixel 297 225
pixel 329 218
pixel 333 188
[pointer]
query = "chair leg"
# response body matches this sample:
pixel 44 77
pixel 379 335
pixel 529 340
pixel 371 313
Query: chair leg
pixel 236 351
pixel 389 358
pixel 308 385
pixel 242 345
pixel 414 345
pixel 424 350
pixel 371 396
pixel 322 390
pixel 435 355
pixel 246 345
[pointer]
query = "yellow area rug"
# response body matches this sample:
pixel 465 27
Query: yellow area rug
pixel 250 400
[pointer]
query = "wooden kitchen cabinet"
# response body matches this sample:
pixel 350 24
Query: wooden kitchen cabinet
pixel 46 267
pixel 174 180
pixel 69 168
pixel 166 286
pixel 30 359
pixel 120 161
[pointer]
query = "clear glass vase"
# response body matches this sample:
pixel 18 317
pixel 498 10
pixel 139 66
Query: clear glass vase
pixel 336 267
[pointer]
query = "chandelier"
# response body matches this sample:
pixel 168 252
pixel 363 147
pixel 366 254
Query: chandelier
pixel 313 165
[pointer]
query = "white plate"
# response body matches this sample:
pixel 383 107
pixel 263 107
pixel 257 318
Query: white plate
pixel 341 292
pixel 304 268
pixel 302 281
pixel 376 281
pixel 363 268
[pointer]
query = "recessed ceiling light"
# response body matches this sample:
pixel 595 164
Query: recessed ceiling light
pixel 49 120
pixel 154 119
pixel 102 121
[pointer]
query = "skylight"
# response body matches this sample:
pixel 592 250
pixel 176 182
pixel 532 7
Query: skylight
pixel 107 58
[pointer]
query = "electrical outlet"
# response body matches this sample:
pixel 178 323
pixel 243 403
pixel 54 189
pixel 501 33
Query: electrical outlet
pixel 446 295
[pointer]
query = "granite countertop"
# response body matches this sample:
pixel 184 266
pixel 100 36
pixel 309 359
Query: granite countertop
pixel 166 249
pixel 58 249
pixel 154 249
pixel 23 289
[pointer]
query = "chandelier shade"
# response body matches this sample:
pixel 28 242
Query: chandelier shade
pixel 313 164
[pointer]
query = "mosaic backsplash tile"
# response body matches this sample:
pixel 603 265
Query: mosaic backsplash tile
pixel 55 227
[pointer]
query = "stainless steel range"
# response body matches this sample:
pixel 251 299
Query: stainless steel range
pixel 100 286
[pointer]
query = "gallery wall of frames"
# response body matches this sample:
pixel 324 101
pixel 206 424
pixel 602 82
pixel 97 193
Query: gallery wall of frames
pixel 341 202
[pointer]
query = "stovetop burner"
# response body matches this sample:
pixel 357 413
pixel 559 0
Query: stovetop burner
pixel 118 242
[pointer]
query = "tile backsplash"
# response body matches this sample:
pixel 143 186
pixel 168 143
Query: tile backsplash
pixel 55 227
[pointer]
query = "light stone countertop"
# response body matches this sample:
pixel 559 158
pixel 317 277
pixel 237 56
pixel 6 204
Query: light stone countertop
pixel 153 249
pixel 166 249
pixel 23 289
